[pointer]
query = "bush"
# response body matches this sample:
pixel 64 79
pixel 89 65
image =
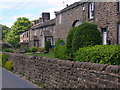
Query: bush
pixel 34 49
pixel 60 51
pixel 7 50
pixel 104 54
pixel 4 59
pixel 9 65
pixel 57 44
pixel 27 49
pixel 86 35
pixel 47 46
pixel 69 42
pixel 41 49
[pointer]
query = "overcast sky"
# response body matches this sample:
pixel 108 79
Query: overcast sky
pixel 10 10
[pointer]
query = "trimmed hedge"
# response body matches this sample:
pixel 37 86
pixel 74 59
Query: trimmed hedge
pixel 69 41
pixel 60 52
pixel 86 34
pixel 104 54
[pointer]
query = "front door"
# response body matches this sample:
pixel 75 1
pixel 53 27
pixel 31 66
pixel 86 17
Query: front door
pixel 104 30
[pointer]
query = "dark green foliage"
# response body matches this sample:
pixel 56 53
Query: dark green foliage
pixel 69 41
pixel 60 52
pixel 47 45
pixel 8 50
pixel 58 42
pixel 5 30
pixel 27 49
pixel 4 59
pixel 34 49
pixel 104 54
pixel 86 35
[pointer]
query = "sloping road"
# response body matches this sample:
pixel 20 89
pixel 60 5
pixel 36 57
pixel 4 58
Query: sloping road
pixel 9 80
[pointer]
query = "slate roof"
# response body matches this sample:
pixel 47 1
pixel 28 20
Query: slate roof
pixel 44 24
pixel 70 7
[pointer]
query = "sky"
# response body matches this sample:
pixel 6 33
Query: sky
pixel 10 10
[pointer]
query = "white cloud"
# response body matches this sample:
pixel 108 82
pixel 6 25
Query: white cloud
pixel 7 24
pixel 25 15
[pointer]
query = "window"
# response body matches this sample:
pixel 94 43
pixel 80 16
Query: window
pixel 35 33
pixel 91 10
pixel 60 19
pixel 49 39
pixel 104 30
pixel 27 34
pixel 119 5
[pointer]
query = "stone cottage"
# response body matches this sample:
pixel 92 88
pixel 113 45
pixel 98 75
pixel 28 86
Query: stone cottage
pixel 105 14
pixel 41 31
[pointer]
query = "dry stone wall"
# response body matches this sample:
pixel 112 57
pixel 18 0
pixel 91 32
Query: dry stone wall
pixel 66 74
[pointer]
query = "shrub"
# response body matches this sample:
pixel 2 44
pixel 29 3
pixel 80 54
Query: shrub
pixel 86 35
pixel 104 54
pixel 7 50
pixel 60 51
pixel 57 44
pixel 47 46
pixel 41 49
pixel 4 59
pixel 27 49
pixel 9 65
pixel 34 49
pixel 69 42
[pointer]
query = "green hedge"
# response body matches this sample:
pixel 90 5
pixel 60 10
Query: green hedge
pixel 86 34
pixel 60 52
pixel 69 42
pixel 8 50
pixel 104 54
pixel 34 49
pixel 4 59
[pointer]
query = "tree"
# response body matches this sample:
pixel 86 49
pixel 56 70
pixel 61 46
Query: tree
pixel 5 30
pixel 19 26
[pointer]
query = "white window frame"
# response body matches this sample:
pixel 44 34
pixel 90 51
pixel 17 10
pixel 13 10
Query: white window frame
pixel 49 40
pixel 91 10
pixel 104 37
pixel 119 33
pixel 119 5
pixel 35 33
pixel 60 19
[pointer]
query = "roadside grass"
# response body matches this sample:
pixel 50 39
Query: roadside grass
pixel 48 55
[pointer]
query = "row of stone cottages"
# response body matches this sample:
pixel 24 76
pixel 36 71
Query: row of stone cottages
pixel 105 14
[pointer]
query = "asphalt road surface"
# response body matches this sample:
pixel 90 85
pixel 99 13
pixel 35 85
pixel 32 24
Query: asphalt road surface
pixel 9 80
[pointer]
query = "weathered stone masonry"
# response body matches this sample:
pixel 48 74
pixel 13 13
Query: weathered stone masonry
pixel 66 74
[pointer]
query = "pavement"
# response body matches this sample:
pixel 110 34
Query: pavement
pixel 10 80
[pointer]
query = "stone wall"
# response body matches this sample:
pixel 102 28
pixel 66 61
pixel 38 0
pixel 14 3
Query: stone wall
pixel 66 74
